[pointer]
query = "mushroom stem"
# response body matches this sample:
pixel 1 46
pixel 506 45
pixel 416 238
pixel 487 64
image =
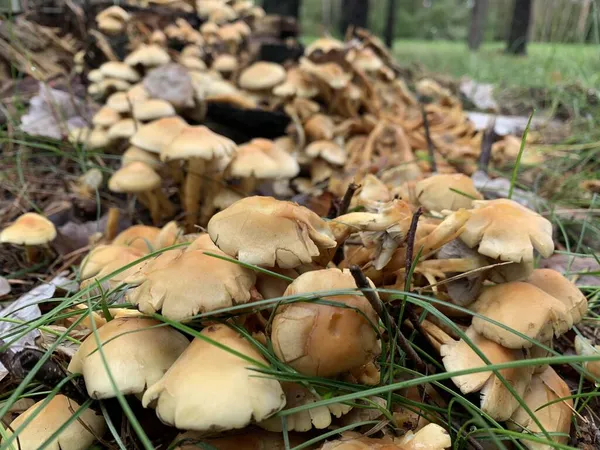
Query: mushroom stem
pixel 112 224
pixel 248 184
pixel 448 230
pixel 192 191
pixel 31 253
pixel 165 205
pixel 154 207
pixel 215 185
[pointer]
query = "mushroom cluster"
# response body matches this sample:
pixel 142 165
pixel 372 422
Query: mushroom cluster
pixel 219 326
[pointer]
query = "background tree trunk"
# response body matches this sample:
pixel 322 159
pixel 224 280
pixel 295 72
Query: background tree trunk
pixel 289 8
pixel 390 23
pixel 583 19
pixel 519 27
pixel 478 19
pixel 354 12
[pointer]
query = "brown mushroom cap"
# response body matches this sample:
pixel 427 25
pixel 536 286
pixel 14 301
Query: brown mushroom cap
pixel 78 435
pixel 319 127
pixel 205 283
pixel 522 307
pixel 541 398
pixel 156 135
pixel 503 229
pixel 445 191
pixel 152 109
pixel 138 352
pixel 122 71
pixel 330 73
pixel 99 257
pixel 141 237
pixel 29 229
pixel 328 150
pixel 324 44
pixel 263 159
pixel 134 178
pixel 261 75
pixel 323 340
pixel 198 142
pixel 209 388
pixel 269 232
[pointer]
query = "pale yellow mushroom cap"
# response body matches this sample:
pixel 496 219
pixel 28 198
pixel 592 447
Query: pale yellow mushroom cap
pixel 148 55
pixel 198 142
pixel 29 229
pixel 120 70
pixel 263 159
pixel 269 232
pixel 134 178
pixel 106 117
pixel 140 351
pixel 78 435
pixel 152 109
pixel 156 135
pixel 210 389
pixel 262 75
pixel 446 191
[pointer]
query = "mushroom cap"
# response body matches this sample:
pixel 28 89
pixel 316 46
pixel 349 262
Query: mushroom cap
pixel 553 283
pixel 29 229
pixel 522 307
pixel 297 83
pixel 141 237
pixel 229 33
pixel 138 352
pixel 152 109
pixel 106 117
pixel 79 435
pixel 137 93
pixel 114 12
pixel 208 28
pixel 117 84
pixel 364 59
pixel 225 63
pixel 319 417
pixel 119 70
pixel 504 229
pixel 319 127
pixel 263 159
pixel 224 14
pixel 99 257
pixel 198 142
pixel 209 388
pixel 123 129
pixel 330 73
pixel 118 101
pixel 261 75
pixel 269 232
pixel 95 76
pixel 372 190
pixel 541 398
pixel 110 25
pixel 325 340
pixel 193 63
pixel 328 150
pixel 134 153
pixel 148 55
pixel 156 135
pixel 205 283
pixel 134 178
pixel 324 44
pixel 445 191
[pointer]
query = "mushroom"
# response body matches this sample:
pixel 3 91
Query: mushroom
pixel 134 153
pixel 323 45
pixel 261 159
pixel 261 77
pixel 123 129
pixel 543 397
pixel 503 229
pixel 141 237
pixel 325 340
pixel 119 102
pixel 88 184
pixel 205 283
pixel 105 117
pixel 446 191
pixel 297 83
pixel 430 437
pixel 320 417
pixel 210 389
pixel 496 399
pixel 138 352
pixel 584 347
pixel 119 70
pixel 324 155
pixel 152 109
pixel 31 230
pixel 103 255
pixel 319 127
pixel 156 135
pixel 225 64
pixel 522 307
pixel 47 419
pixel 148 55
pixel 139 179
pixel 204 150
pixel 249 439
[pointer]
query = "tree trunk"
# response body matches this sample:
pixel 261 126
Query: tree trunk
pixel 478 18
pixel 354 13
pixel 290 8
pixel 390 23
pixel 583 19
pixel 519 27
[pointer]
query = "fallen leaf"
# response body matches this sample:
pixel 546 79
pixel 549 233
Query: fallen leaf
pixel 4 286
pixel 172 83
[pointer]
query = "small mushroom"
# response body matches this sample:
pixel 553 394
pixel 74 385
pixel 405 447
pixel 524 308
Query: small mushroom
pixel 141 237
pixel 323 45
pixel 225 64
pixel 137 350
pixel 262 77
pixel 119 70
pixel 446 191
pixel 297 83
pixel 211 389
pixel 139 179
pixel 156 135
pixel 105 117
pixel 134 153
pixel 31 230
pixel 46 420
pixel 319 128
pixel 430 437
pixel 152 109
pixel 325 340
pixel 103 255
pixel 123 129
pixel 148 56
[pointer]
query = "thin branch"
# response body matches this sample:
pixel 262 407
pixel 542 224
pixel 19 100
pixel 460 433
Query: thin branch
pixel 339 208
pixel 430 145
pixel 486 145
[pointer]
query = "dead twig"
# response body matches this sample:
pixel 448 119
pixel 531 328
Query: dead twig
pixel 430 145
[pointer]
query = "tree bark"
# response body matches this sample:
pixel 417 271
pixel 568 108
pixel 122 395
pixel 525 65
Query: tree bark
pixel 390 23
pixel 478 19
pixel 583 19
pixel 354 13
pixel 519 27
pixel 289 8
